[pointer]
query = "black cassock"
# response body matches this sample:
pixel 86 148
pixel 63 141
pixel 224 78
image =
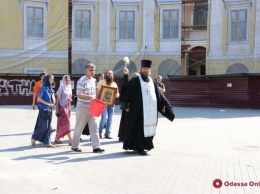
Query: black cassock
pixel 124 116
pixel 134 139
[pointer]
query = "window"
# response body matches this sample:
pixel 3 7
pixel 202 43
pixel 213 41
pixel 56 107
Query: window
pixel 200 14
pixel 126 24
pixel 170 24
pixel 238 30
pixel 35 25
pixel 83 14
pixel 238 25
pixel 83 24
pixel 237 68
pixel 34 21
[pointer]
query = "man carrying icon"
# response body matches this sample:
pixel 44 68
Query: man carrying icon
pixel 107 114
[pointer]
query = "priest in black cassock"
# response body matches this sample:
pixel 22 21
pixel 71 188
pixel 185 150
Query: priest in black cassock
pixel 145 101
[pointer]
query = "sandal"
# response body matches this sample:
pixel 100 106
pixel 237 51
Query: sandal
pixel 58 141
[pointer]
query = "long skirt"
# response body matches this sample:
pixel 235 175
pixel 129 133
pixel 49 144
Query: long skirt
pixel 63 124
pixel 42 130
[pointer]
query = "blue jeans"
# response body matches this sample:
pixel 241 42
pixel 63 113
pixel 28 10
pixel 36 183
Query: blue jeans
pixel 106 118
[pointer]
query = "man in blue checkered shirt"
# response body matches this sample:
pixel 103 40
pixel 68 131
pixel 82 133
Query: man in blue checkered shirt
pixel 86 92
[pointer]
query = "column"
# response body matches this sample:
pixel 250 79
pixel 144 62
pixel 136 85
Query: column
pixel 257 29
pixel 215 28
pixel 148 26
pixel 104 27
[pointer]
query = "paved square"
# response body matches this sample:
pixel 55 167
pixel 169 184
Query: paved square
pixel 199 146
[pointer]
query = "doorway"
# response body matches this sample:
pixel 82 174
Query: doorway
pixel 197 61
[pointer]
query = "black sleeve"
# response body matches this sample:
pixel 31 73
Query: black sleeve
pixel 123 88
pixel 161 102
pixel 129 92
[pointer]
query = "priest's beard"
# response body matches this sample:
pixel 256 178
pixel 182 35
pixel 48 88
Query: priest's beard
pixel 109 80
pixel 145 77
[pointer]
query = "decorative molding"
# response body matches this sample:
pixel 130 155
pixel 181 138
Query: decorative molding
pixel 228 3
pixel 40 1
pixel 116 3
pixel 159 3
pixel 33 53
pixel 33 70
pixel 92 3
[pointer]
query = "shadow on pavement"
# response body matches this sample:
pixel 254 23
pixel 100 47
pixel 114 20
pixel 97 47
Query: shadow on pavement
pixel 102 143
pixel 63 157
pixel 17 149
pixel 17 134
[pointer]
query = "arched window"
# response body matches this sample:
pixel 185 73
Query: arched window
pixel 169 67
pixel 78 66
pixel 237 68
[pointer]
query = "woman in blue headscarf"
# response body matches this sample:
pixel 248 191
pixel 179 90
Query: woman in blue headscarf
pixel 46 101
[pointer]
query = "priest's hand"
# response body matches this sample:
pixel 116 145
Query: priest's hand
pixel 126 71
pixel 127 109
pixel 163 109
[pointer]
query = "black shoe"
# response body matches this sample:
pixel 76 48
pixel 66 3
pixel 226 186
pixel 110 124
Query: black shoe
pixel 76 149
pixel 53 130
pixel 142 153
pixel 97 150
pixel 100 135
pixel 109 137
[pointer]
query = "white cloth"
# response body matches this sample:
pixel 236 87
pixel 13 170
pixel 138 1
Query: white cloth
pixel 149 107
pixel 64 92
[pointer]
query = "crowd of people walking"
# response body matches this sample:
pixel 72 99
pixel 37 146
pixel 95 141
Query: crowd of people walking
pixel 140 98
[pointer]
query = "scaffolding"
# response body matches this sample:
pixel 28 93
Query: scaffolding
pixel 188 27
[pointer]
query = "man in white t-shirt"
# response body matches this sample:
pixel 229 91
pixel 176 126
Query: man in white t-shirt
pixel 107 114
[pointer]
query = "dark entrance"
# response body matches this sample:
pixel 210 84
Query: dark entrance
pixel 197 61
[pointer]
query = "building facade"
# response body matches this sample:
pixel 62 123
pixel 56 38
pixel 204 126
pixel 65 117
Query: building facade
pixel 33 36
pixel 181 37
pixel 234 42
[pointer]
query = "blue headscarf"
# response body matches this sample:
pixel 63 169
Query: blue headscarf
pixel 46 81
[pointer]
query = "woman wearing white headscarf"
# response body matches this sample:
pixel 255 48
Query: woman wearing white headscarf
pixel 63 110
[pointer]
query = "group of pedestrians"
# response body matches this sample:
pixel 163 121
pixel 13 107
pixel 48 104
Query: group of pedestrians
pixel 140 98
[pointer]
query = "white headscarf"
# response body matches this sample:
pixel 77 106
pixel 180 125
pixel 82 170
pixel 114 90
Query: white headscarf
pixel 64 92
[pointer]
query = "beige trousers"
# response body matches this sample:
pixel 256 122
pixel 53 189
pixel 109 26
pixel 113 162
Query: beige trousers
pixel 82 118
